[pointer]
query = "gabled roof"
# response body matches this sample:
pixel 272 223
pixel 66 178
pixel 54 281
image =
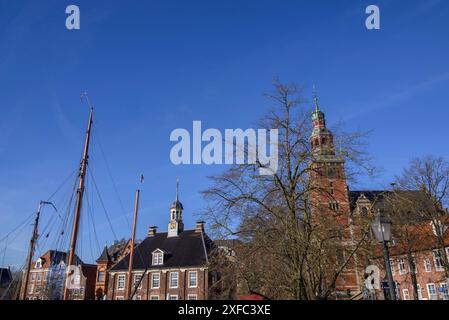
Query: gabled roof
pixel 188 249
pixel 371 195
pixel 54 257
pixel 104 257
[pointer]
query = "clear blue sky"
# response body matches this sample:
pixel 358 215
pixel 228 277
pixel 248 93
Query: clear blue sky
pixel 153 66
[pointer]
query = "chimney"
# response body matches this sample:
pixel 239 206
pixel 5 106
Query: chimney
pixel 199 226
pixel 152 231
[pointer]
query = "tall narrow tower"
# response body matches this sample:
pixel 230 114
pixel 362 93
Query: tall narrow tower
pixel 176 226
pixel 328 178
pixel 330 198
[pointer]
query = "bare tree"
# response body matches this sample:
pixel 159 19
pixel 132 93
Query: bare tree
pixel 287 252
pixel 430 175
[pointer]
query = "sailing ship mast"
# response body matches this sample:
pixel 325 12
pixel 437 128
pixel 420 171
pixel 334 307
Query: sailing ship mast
pixel 79 197
pixel 131 251
pixel 33 240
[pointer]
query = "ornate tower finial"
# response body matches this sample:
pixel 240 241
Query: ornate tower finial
pixel 315 98
pixel 177 189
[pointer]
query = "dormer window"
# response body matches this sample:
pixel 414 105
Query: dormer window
pixel 38 264
pixel 158 257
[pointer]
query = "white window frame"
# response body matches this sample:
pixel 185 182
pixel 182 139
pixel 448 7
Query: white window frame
pixel 434 296
pixel 438 260
pixel 120 298
pixel 119 281
pixel 39 277
pixel 420 297
pixel 38 264
pixel 154 297
pixel 172 273
pixel 401 262
pixel 196 279
pixel 31 287
pixel 137 298
pixel 427 265
pixel 393 269
pixel 192 297
pixel 446 294
pixel 405 294
pixel 135 275
pixel 158 280
pixel 158 258
pixel 33 276
pixel 175 296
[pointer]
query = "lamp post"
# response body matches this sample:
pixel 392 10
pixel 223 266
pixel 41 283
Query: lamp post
pixel 382 230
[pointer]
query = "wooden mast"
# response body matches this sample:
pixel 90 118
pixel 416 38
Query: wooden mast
pixel 33 240
pixel 131 251
pixel 79 198
pixel 31 253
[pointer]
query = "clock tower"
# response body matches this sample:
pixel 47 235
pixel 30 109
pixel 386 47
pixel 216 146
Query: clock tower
pixel 176 226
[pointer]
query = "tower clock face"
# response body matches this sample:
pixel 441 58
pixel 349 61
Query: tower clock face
pixel 173 225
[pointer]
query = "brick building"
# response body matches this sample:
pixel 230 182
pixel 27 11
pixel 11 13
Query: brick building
pixel 166 266
pixel 332 197
pixel 47 277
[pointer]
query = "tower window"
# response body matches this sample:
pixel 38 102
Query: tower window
pixel 335 206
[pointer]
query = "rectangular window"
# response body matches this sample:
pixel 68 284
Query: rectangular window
pixel 119 298
pixel 432 291
pixel 154 297
pixel 137 298
pixel 45 275
pixel 155 280
pixel 405 294
pixel 158 258
pixel 402 267
pixel 443 290
pixel 101 276
pixel 438 260
pixel 173 279
pixel 392 267
pixel 427 265
pixel 137 282
pixel 173 297
pixel 33 276
pixel 192 297
pixel 419 292
pixel 39 276
pixel 193 279
pixel 121 282
pixel 335 206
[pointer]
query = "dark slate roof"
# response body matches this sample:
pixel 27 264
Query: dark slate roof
pixel 188 249
pixel 378 196
pixel 5 277
pixel 58 256
pixel 177 205
pixel 371 195
pixel 104 257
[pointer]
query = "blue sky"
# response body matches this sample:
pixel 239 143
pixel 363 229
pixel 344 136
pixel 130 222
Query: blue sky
pixel 153 66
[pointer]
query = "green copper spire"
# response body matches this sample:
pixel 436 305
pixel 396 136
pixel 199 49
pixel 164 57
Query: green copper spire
pixel 317 112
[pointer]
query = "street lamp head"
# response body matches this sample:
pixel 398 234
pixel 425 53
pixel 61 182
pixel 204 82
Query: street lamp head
pixel 381 227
